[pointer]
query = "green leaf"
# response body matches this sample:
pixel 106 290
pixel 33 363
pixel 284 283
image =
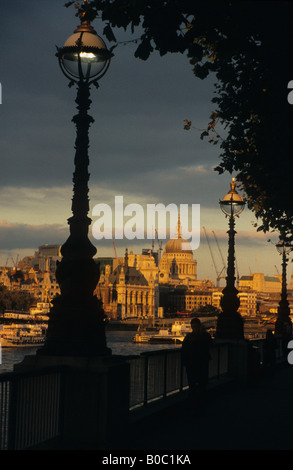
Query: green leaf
pixel 109 33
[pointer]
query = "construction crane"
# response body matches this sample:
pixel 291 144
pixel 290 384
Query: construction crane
pixel 225 269
pixel 218 273
pixel 277 270
pixel 219 250
pixel 115 250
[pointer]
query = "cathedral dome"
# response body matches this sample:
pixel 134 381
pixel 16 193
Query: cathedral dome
pixel 177 265
pixel 179 244
pixel 175 246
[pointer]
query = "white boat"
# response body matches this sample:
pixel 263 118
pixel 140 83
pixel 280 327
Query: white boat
pixel 175 334
pixel 19 335
pixel 22 329
pixel 35 314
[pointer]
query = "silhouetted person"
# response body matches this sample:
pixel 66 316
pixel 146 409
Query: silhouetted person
pixel 195 357
pixel 270 347
pixel 286 336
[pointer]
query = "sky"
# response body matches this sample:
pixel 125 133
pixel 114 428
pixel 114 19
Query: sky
pixel 138 146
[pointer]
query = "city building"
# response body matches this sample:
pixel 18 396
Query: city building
pixel 248 302
pixel 35 274
pixel 177 265
pixel 131 289
pixel 216 298
pixel 48 286
pixel 39 261
pixel 258 282
pixel 180 300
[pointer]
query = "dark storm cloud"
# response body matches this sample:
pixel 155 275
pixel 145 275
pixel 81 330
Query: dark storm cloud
pixel 20 236
pixel 138 147
pixel 139 108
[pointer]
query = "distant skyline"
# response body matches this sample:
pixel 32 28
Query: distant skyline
pixel 138 146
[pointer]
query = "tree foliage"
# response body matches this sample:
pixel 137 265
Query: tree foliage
pixel 248 47
pixel 14 300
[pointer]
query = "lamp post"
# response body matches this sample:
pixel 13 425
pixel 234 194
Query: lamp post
pixel 76 323
pixel 230 322
pixel 283 325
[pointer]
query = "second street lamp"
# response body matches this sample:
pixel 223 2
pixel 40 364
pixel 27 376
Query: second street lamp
pixel 230 322
pixel 76 324
pixel 283 325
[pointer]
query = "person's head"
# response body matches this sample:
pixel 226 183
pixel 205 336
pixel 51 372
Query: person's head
pixel 195 325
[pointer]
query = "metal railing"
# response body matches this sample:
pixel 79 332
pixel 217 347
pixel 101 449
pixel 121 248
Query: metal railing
pixel 31 407
pixel 4 415
pixel 32 403
pixel 158 374
pixel 258 344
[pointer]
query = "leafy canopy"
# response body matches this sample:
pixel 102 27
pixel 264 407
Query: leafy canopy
pixel 248 46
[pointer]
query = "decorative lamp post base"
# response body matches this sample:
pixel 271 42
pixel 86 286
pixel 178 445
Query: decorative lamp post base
pixel 76 330
pixel 77 319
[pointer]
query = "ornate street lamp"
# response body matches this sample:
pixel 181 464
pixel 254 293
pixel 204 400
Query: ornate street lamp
pixel 230 322
pixel 283 325
pixel 76 325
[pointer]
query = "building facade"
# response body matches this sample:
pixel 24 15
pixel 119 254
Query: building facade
pixel 258 282
pixel 177 265
pixel 131 289
pixel 248 302
pixel 180 300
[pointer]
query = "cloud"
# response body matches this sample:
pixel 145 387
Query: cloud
pixel 15 236
pixel 138 145
pixel 138 111
pixel 29 205
pixel 196 169
pixel 243 237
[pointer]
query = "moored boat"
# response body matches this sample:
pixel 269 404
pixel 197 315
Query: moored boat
pixel 175 334
pixel 18 335
pixel 141 337
pixel 23 329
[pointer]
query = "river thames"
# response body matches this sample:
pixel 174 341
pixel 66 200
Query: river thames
pixel 120 342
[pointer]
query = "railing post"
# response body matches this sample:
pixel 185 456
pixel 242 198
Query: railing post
pixel 165 376
pixel 219 360
pixel 181 372
pixel 146 370
pixel 12 414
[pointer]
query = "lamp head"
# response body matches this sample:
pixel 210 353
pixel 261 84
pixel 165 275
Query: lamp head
pixel 284 247
pixel 84 56
pixel 232 204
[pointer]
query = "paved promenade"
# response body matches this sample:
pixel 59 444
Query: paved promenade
pixel 257 416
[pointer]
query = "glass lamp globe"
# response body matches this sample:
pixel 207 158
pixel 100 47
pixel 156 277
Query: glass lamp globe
pixel 284 247
pixel 84 55
pixel 232 204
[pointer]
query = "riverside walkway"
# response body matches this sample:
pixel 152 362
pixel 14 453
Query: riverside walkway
pixel 246 408
pixel 254 416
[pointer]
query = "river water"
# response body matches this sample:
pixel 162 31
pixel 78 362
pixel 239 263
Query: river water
pixel 120 342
